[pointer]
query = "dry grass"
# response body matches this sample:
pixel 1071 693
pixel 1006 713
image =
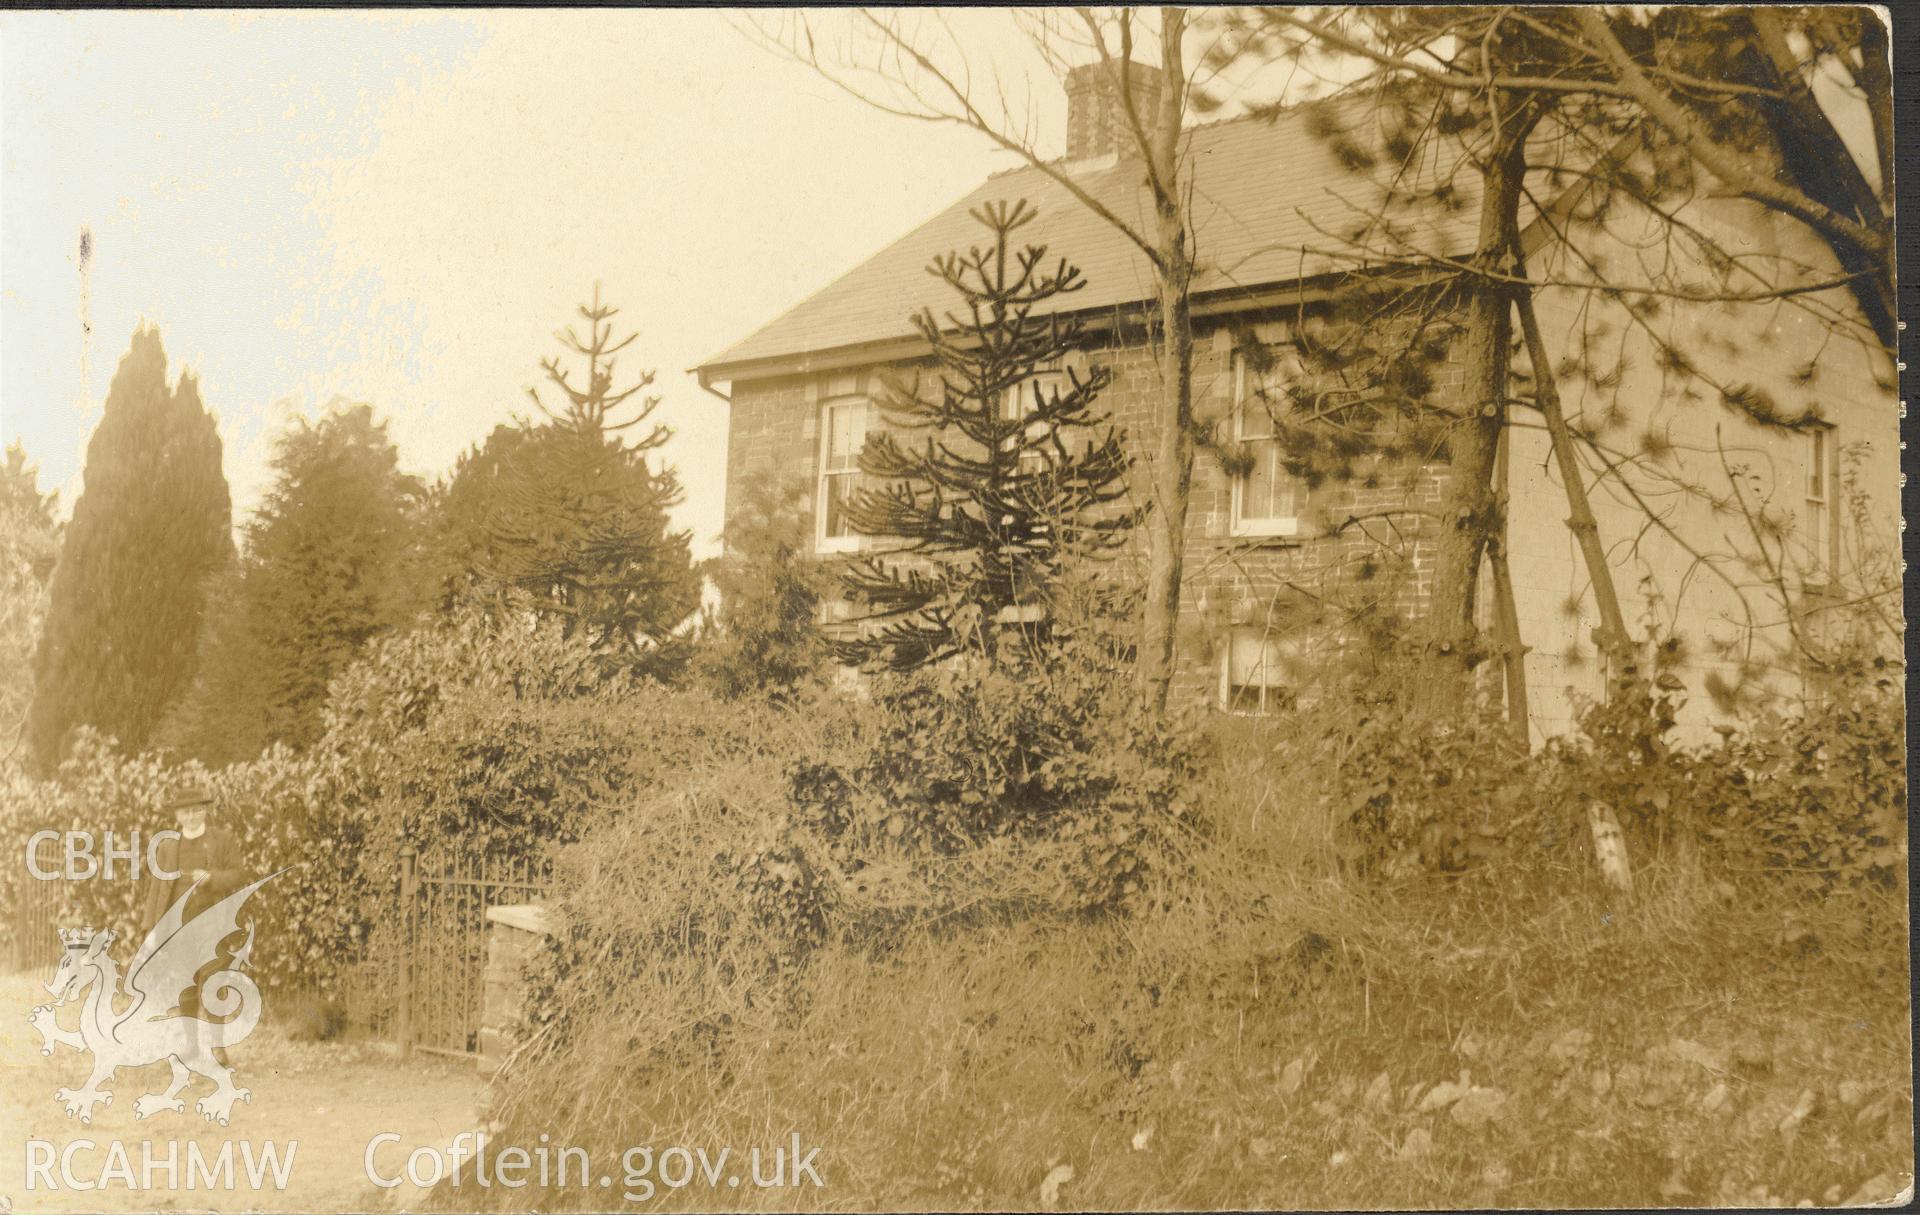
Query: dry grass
pixel 1269 1032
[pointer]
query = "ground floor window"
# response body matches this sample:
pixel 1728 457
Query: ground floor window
pixel 1252 678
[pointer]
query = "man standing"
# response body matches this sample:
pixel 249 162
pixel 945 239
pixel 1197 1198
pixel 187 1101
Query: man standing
pixel 204 853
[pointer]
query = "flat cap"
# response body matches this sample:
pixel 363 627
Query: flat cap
pixel 193 793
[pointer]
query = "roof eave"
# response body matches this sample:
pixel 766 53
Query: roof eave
pixel 1205 304
pixel 809 362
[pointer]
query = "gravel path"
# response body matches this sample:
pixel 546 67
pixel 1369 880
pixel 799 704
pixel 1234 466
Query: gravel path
pixel 326 1099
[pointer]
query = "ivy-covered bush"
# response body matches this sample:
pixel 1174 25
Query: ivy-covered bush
pixel 1828 789
pixel 1412 791
pixel 957 758
pixel 311 920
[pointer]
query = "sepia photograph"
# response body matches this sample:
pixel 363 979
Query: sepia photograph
pixel 951 609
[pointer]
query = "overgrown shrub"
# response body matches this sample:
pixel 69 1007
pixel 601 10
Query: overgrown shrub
pixel 957 757
pixel 1816 795
pixel 468 734
pixel 1828 800
pixel 689 909
pixel 1410 791
pixel 311 919
pixel 1264 1030
pixel 1819 792
pixel 951 799
pixel 763 641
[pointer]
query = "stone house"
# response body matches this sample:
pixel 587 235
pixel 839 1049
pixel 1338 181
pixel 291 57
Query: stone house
pixel 1730 534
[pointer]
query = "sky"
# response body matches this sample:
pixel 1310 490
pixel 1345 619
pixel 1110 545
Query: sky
pixel 402 209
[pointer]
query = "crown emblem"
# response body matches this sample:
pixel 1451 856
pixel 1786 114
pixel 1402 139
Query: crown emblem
pixel 76 938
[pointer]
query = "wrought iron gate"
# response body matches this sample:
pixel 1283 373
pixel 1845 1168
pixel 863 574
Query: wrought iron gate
pixel 35 917
pixel 444 897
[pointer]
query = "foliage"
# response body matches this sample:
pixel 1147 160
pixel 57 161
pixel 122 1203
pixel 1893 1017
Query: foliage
pixel 1354 392
pixel 1815 796
pixel 472 737
pixel 492 773
pixel 457 513
pixel 698 911
pixel 961 757
pixel 702 895
pixel 994 501
pixel 1829 788
pixel 384 713
pixel 29 542
pixel 328 564
pixel 1627 90
pixel 571 512
pixel 312 919
pixel 764 640
pixel 127 599
pixel 1415 794
pixel 1299 1033
pixel 691 907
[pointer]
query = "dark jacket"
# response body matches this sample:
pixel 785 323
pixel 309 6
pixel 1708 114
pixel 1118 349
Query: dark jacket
pixel 216 852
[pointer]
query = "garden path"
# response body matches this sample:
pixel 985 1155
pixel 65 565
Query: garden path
pixel 328 1098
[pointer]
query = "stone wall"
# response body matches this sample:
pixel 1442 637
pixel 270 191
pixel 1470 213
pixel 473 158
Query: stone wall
pixel 514 933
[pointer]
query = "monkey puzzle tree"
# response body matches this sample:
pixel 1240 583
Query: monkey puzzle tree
pixel 895 64
pixel 574 513
pixel 995 501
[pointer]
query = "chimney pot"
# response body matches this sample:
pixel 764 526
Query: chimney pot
pixel 1096 109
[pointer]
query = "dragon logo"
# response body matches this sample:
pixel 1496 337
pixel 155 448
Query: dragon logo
pixel 151 1027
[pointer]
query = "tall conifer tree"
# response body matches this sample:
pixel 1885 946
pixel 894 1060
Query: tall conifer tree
pixel 29 543
pixel 129 589
pixel 329 564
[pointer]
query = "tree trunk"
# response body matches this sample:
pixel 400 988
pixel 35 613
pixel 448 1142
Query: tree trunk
pixel 1172 484
pixel 1615 643
pixel 1467 507
pixel 1513 651
pixel 1173 454
pixel 1610 847
pixel 1816 158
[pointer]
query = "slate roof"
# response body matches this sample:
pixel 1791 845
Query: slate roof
pixel 1266 194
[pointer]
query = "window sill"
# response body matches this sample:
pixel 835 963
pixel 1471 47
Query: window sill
pixel 1266 539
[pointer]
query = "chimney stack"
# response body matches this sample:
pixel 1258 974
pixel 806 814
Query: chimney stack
pixel 1096 112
